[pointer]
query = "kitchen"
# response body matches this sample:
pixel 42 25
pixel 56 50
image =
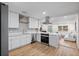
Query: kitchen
pixel 26 30
pixel 33 29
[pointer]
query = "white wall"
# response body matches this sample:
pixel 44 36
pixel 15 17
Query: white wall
pixel 68 20
pixel 71 27
pixel 65 20
pixel 77 32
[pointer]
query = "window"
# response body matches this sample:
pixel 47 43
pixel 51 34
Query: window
pixel 62 28
pixel 59 28
pixel 65 28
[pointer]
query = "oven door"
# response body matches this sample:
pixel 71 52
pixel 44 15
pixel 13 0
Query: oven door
pixel 45 39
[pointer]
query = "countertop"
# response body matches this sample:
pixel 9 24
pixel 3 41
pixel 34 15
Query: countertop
pixel 26 33
pixel 18 34
pixel 49 33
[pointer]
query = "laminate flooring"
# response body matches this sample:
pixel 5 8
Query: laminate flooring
pixel 39 49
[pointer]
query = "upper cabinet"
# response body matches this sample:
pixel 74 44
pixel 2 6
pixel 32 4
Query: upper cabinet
pixel 13 20
pixel 23 23
pixel 23 19
pixel 33 23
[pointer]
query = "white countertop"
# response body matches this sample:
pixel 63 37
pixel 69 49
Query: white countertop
pixel 48 33
pixel 20 33
pixel 17 34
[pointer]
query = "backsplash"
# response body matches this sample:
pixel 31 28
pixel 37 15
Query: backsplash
pixel 13 30
pixel 18 30
pixel 32 30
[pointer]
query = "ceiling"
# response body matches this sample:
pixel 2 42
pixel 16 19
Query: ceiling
pixel 69 19
pixel 56 10
pixel 52 9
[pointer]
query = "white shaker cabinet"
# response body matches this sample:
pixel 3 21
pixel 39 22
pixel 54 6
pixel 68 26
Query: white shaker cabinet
pixel 28 39
pixel 22 41
pixel 9 43
pixel 13 20
pixel 33 23
pixel 39 37
pixel 54 40
pixel 13 43
pixel 25 39
pixel 19 41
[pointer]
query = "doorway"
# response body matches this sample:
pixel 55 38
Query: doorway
pixel 67 43
pixel 67 36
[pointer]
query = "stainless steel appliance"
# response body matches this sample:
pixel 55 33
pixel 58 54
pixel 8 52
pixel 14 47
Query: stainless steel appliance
pixel 47 20
pixel 45 38
pixel 3 29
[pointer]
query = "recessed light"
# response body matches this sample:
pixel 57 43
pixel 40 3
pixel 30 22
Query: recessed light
pixel 43 12
pixel 65 16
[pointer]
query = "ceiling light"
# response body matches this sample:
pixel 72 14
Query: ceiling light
pixel 44 13
pixel 65 16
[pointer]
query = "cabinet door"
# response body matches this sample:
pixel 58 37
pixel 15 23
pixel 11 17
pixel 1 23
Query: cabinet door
pixel 9 43
pixel 28 39
pixel 25 41
pixel 17 42
pixel 13 21
pixel 38 37
pixel 33 23
pixel 13 43
pixel 54 40
pixel 22 41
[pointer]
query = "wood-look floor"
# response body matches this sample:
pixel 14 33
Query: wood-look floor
pixel 71 44
pixel 38 49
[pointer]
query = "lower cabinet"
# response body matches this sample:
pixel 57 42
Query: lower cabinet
pixel 9 43
pixel 22 41
pixel 28 41
pixel 54 41
pixel 13 43
pixel 39 37
pixel 16 42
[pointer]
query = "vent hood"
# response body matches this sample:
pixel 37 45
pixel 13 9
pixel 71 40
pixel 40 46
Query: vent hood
pixel 47 20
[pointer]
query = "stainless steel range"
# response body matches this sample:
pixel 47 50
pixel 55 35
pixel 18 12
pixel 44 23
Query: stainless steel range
pixel 45 38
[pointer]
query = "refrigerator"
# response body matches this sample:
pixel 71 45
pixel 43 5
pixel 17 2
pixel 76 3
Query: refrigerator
pixel 3 29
